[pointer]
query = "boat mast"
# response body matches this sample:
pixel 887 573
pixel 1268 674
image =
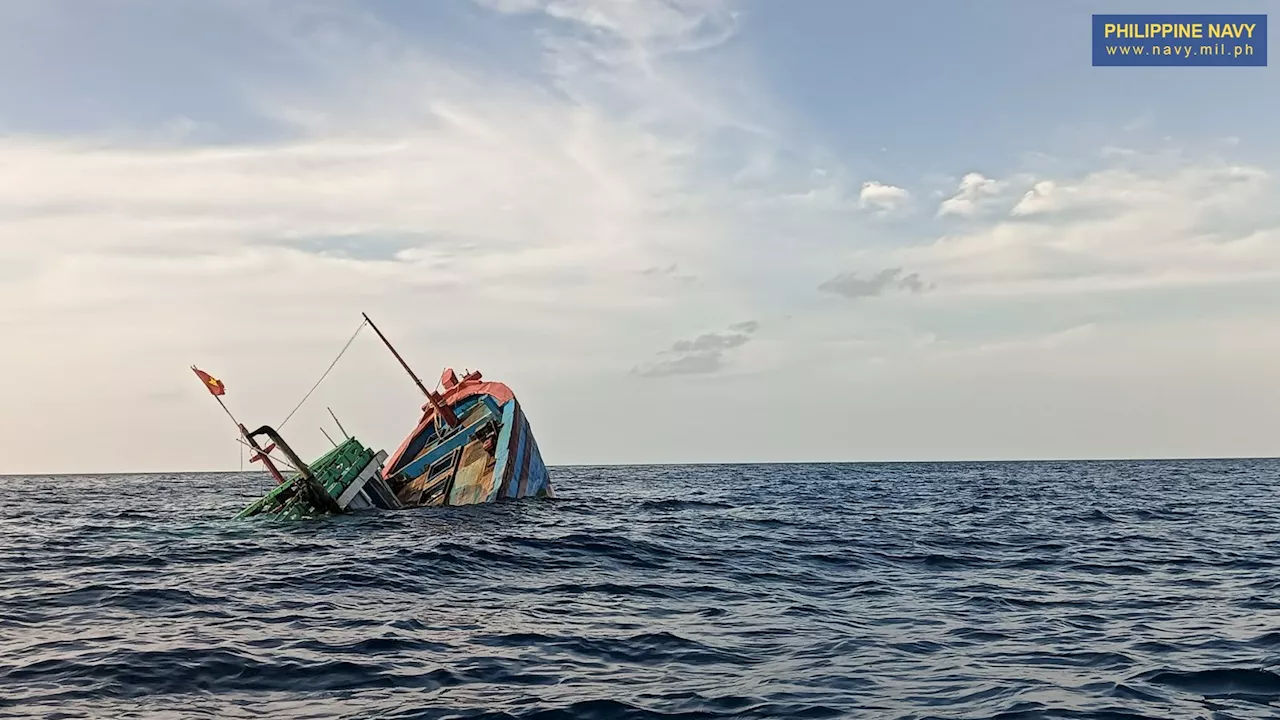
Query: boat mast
pixel 441 410
pixel 326 437
pixel 335 421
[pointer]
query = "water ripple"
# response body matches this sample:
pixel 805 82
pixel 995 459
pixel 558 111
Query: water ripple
pixel 909 591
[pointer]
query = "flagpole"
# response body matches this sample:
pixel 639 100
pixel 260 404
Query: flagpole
pixel 252 443
pixel 228 412
pixel 266 459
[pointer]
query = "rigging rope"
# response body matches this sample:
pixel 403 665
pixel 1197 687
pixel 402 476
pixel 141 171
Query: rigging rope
pixel 326 372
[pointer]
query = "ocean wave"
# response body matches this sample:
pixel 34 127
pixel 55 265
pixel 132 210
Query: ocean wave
pixel 1005 590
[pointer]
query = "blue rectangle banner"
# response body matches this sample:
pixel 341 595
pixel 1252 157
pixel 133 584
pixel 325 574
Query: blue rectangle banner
pixel 1180 40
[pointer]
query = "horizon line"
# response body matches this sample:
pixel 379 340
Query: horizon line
pixel 728 463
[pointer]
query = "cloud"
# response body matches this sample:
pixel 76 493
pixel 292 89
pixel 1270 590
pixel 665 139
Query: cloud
pixel 1146 221
pixel 881 197
pixel 398 179
pixel 527 205
pixel 974 191
pixel 357 246
pixel 462 173
pixel 678 25
pixel 703 355
pixel 669 272
pixel 851 286
pixel 1048 200
pixel 1039 199
pixel 619 54
pixel 692 364
pixel 710 342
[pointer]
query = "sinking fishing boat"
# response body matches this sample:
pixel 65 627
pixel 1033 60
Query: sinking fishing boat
pixel 473 445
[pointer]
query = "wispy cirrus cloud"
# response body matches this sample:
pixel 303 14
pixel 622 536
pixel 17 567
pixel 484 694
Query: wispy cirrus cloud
pixel 526 198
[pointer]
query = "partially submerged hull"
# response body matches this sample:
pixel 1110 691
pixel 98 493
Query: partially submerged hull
pixel 349 476
pixel 473 446
pixel 488 453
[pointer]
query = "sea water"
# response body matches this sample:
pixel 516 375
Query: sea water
pixel 968 590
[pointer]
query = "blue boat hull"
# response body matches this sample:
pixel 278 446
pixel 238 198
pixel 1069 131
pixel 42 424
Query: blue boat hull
pixel 474 445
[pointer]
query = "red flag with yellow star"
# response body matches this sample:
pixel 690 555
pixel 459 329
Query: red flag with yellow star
pixel 213 384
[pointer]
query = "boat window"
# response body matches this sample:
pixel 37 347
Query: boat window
pixel 440 465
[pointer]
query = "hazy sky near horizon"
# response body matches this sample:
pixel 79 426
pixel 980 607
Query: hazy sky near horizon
pixel 681 230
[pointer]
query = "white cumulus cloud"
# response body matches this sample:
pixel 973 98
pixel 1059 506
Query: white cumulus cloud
pixel 1120 227
pixel 974 190
pixel 882 197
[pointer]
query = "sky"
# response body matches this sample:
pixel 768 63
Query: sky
pixel 680 230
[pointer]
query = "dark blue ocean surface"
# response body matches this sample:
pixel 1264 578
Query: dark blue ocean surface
pixel 1003 590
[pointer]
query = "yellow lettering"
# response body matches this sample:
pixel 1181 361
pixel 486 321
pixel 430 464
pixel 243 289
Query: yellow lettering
pixel 1215 30
pixel 1248 29
pixel 1197 31
pixel 1108 29
pixel 1166 29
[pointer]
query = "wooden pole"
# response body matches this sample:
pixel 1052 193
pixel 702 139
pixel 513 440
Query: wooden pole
pixel 441 410
pixel 335 421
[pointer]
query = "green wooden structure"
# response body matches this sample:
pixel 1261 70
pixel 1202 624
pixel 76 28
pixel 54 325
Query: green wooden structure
pixel 346 477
